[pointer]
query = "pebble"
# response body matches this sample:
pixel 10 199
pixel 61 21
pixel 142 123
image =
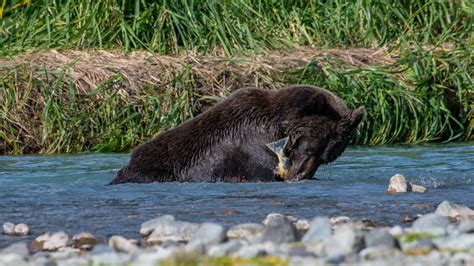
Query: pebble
pixel 280 230
pixel 8 228
pixel 122 244
pixel 245 230
pixel 319 230
pixel 398 184
pixel 453 210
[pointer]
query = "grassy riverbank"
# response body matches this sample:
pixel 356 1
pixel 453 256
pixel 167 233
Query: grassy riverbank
pixel 411 65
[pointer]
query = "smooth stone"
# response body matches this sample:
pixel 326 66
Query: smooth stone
pixel 148 226
pixel 177 231
pixel 272 216
pixel 224 249
pixel 209 234
pixel 302 225
pixel 466 226
pixel 53 241
pixel 8 228
pixel 20 248
pixel 431 223
pixel 449 209
pixel 84 240
pixel 245 230
pixel 280 230
pixel 111 258
pixel 345 241
pixel 338 220
pixel 398 184
pixel 380 237
pixel 319 230
pixel 21 229
pixel 464 242
pixel 417 188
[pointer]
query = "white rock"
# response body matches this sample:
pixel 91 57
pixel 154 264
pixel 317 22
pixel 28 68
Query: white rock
pixel 398 184
pixel 339 220
pixel 272 216
pixel 302 225
pixel 54 241
pixel 122 244
pixel 319 230
pixel 225 249
pixel 21 229
pixel 464 242
pixel 417 188
pixel 449 209
pixel 209 234
pixel 9 228
pixel 148 227
pixel 345 241
pixel 84 240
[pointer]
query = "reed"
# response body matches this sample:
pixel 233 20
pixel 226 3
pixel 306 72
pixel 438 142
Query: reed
pixel 229 27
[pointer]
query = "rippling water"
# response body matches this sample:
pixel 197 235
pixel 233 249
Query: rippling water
pixel 68 192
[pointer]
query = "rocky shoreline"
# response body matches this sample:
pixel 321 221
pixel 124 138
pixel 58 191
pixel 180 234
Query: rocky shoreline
pixel 445 237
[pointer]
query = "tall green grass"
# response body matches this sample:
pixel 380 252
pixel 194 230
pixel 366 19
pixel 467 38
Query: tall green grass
pixel 231 26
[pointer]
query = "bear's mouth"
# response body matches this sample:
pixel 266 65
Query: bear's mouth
pixel 305 169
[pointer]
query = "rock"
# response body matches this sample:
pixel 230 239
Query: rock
pixel 148 227
pixel 431 223
pixel 449 209
pixel 383 253
pixel 84 241
pixel 245 230
pixel 74 261
pixel 169 230
pixel 257 250
pixel 101 248
pixel 302 225
pixel 398 184
pixel 8 228
pixel 466 226
pixel 380 237
pixel 418 247
pixel 20 248
pixel 272 216
pixel 152 258
pixel 396 231
pixel 52 242
pixel 464 242
pixel 417 188
pixel 209 234
pixel 225 249
pixel 21 229
pixel 122 244
pixel 319 230
pixel 280 230
pixel 345 241
pixel 339 220
pixel 194 248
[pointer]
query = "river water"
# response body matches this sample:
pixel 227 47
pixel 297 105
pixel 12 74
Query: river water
pixel 69 192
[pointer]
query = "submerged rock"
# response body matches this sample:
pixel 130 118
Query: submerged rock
pixel 245 230
pixel 453 210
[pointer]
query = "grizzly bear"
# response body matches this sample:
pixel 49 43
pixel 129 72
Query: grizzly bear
pixel 254 135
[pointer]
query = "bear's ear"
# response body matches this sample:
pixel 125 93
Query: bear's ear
pixel 356 116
